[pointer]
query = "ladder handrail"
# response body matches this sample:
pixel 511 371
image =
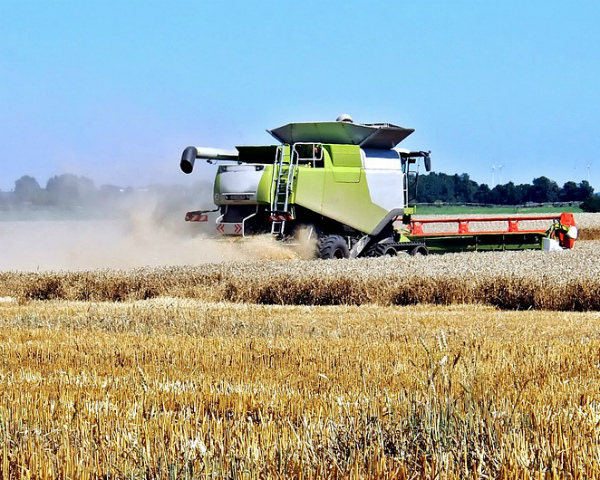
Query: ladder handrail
pixel 275 182
pixel 290 178
pixel 278 176
pixel 313 158
pixel 282 186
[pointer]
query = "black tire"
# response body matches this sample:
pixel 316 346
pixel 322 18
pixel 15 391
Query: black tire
pixel 333 247
pixel 382 250
pixel 388 252
pixel 421 250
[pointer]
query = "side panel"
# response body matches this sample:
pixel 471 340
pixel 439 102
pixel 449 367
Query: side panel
pixel 346 163
pixel 309 188
pixel 263 194
pixel 383 169
pixel 346 196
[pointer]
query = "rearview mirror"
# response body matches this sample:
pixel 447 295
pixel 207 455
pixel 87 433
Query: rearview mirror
pixel 427 163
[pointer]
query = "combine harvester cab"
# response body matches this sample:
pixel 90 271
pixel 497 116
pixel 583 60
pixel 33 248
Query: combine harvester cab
pixel 346 183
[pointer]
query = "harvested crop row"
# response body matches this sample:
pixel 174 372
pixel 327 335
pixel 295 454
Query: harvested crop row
pixel 568 280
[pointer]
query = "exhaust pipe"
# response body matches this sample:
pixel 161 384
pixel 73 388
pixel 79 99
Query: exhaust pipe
pixel 190 154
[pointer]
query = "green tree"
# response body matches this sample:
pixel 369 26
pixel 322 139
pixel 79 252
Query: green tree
pixel 544 190
pixel 27 191
pixel 585 190
pixel 591 204
pixel 67 191
pixel 569 192
pixel 483 194
pixel 507 194
pixel 464 188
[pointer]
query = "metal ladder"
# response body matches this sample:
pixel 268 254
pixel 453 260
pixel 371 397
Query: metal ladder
pixel 283 182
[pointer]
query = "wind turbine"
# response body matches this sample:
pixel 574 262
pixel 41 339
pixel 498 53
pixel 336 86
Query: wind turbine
pixel 588 168
pixel 493 174
pixel 500 168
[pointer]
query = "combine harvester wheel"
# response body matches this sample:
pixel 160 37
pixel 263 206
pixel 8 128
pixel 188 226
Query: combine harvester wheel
pixel 333 246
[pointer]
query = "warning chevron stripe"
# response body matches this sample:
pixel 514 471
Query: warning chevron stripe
pixel 230 228
pixel 277 217
pixel 197 216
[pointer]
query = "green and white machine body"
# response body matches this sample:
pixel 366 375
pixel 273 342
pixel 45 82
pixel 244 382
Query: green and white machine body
pixel 347 182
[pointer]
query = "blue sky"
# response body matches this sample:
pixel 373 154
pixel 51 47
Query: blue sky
pixel 115 90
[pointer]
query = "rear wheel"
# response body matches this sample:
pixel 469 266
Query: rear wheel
pixel 333 247
pixel 389 252
pixel 421 250
pixel 382 250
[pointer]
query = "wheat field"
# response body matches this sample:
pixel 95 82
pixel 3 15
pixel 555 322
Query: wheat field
pixel 180 388
pixel 470 365
pixel 566 280
pixel 589 225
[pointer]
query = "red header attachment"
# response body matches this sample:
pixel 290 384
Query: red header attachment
pixel 562 229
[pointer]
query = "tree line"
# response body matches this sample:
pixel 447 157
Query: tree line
pixel 72 193
pixel 62 192
pixel 460 189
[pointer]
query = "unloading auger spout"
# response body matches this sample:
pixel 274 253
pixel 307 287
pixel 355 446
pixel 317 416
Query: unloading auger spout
pixel 190 154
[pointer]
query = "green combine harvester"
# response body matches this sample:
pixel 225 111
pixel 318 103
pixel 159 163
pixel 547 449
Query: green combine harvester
pixel 350 186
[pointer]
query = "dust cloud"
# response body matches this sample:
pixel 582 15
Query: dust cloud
pixel 146 234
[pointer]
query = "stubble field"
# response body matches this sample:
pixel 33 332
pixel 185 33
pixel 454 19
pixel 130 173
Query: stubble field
pixel 458 366
pixel 177 388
